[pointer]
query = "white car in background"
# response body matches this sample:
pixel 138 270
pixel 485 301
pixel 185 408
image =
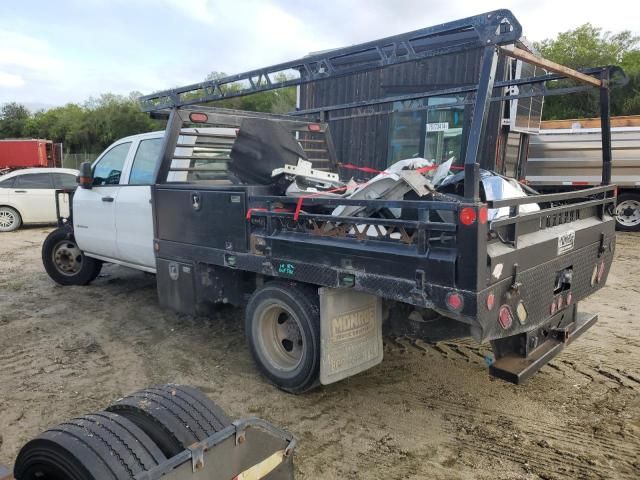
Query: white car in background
pixel 28 196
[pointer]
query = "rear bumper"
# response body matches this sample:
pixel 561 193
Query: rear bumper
pixel 516 368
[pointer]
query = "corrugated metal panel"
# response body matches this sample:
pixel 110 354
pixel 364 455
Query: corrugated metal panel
pixel 364 140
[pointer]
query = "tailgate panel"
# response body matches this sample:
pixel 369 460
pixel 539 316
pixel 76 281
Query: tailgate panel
pixel 537 287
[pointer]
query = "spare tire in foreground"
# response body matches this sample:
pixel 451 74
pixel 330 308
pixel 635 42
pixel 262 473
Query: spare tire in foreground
pixel 173 416
pixel 98 446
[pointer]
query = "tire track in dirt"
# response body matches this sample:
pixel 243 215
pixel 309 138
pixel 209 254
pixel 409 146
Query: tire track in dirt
pixel 549 448
pixel 46 360
pixel 565 362
pixel 550 451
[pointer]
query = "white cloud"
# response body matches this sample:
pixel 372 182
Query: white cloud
pixel 22 51
pixel 97 46
pixel 199 10
pixel 10 80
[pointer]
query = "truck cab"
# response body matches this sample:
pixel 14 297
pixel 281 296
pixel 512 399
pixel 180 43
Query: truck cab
pixel 113 221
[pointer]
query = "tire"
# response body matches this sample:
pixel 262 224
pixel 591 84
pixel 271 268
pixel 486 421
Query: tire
pixel 99 446
pixel 282 325
pixel 173 416
pixel 628 212
pixel 10 219
pixel 64 261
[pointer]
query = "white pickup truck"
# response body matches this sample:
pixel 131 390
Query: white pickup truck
pixel 113 221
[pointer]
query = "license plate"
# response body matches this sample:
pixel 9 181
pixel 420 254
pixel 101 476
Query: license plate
pixel 566 241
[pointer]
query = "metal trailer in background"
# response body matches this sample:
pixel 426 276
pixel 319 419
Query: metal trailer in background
pixel 568 156
pixel 27 153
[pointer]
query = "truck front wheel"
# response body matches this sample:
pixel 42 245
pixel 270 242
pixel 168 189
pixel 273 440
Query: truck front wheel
pixel 64 261
pixel 628 212
pixel 282 325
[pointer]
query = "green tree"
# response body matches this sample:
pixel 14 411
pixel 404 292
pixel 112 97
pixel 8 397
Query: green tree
pixel 13 119
pixel 589 46
pixel 92 126
pixel 282 100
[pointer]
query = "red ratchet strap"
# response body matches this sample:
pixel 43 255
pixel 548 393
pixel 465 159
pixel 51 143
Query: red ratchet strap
pixel 350 166
pixel 296 215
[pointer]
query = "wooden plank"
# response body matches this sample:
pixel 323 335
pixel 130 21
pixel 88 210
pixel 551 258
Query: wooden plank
pixel 550 66
pixel 622 121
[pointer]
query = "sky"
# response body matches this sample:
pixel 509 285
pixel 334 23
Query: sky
pixel 56 52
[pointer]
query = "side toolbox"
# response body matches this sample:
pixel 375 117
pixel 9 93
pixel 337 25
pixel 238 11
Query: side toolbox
pixel 176 287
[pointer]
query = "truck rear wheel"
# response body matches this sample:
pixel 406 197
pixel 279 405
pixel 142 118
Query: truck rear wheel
pixel 64 261
pixel 628 212
pixel 282 325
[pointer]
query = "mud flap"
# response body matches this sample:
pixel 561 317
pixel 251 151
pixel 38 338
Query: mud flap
pixel 350 333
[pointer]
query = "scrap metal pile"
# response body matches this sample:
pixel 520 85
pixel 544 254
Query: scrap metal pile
pixel 267 154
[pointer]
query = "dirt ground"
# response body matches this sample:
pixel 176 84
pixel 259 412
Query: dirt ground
pixel 428 411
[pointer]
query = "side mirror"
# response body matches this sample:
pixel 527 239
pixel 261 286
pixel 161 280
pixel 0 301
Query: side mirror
pixel 85 177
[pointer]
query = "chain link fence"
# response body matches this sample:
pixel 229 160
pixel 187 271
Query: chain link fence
pixel 73 160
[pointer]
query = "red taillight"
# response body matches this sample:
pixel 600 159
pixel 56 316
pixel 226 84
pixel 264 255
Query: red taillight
pixel 505 318
pixel 455 301
pixel 196 117
pixel 601 271
pixel 467 216
pixel 483 215
pixel 491 301
pixel 314 127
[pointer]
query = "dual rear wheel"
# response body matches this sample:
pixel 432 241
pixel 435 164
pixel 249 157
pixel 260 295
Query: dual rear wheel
pixel 282 325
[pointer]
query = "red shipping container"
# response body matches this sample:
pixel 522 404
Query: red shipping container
pixel 25 153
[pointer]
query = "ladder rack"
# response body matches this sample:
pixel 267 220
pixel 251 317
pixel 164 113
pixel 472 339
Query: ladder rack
pixel 499 27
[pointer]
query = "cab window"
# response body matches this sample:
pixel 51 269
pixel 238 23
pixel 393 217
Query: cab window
pixel 109 168
pixel 144 163
pixel 33 180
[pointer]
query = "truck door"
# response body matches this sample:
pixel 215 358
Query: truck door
pixel 134 217
pixel 94 209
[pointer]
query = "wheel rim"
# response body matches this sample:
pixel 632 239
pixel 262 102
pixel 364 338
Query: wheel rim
pixel 628 213
pixel 280 335
pixel 7 219
pixel 67 257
